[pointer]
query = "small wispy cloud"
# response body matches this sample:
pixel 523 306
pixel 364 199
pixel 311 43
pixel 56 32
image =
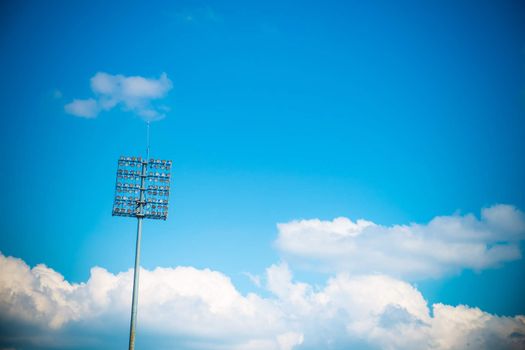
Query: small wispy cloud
pixel 199 15
pixel 83 108
pixel 255 279
pixel 56 94
pixel 130 93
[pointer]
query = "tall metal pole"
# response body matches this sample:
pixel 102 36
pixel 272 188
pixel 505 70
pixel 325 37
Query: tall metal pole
pixel 140 215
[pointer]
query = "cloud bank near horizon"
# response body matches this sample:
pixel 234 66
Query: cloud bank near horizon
pixel 191 308
pixel 363 303
pixel 444 246
pixel 131 93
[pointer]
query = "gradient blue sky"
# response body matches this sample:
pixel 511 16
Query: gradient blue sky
pixel 280 110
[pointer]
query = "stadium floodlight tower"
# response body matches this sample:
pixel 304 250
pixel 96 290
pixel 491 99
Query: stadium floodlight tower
pixel 142 191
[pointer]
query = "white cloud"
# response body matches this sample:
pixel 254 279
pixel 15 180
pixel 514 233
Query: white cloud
pixel 182 301
pixel 447 244
pixel 83 108
pixel 133 93
pixel 187 308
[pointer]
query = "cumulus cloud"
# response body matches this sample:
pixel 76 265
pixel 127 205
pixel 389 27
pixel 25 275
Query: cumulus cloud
pixel 182 302
pixel 83 108
pixel 447 244
pixel 188 308
pixel 133 93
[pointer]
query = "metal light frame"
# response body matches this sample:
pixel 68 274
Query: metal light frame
pixel 141 191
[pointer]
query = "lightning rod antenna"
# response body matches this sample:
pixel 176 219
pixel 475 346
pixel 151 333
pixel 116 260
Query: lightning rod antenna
pixel 147 141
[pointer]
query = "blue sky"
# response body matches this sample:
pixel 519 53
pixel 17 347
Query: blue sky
pixel 277 111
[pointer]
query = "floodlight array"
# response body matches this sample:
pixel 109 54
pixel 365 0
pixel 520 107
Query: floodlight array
pixel 157 189
pixel 142 188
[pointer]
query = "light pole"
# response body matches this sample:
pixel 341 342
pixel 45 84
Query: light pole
pixel 142 191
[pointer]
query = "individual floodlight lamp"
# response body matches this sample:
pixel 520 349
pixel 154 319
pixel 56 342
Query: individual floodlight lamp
pixel 142 191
